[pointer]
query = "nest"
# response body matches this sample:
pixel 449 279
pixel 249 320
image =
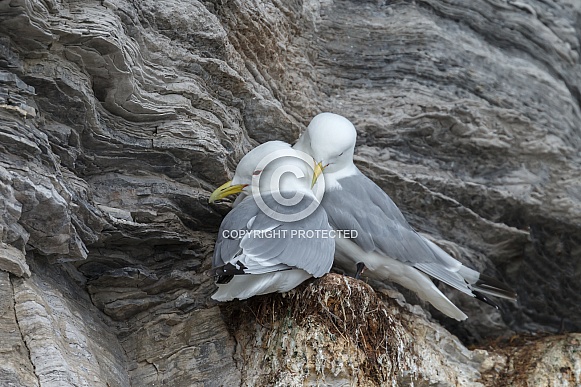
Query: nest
pixel 346 307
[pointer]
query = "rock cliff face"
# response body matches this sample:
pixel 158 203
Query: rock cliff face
pixel 118 118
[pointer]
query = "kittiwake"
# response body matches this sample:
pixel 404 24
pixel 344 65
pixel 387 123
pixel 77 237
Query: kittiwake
pixel 270 241
pixel 385 243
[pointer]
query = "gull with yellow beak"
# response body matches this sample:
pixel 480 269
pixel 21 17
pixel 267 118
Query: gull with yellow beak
pixel 385 244
pixel 260 248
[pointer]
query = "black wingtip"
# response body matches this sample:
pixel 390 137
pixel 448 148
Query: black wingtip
pixel 485 299
pixel 218 278
pixel 494 287
pixel 228 269
pixel 223 279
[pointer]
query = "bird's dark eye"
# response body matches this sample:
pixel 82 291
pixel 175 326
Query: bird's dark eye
pixel 341 154
pixel 257 172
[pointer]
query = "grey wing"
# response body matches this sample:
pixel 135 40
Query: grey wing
pixel 276 249
pixel 227 247
pixel 307 244
pixel 362 206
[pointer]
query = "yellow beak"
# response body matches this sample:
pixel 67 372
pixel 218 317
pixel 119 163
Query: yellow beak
pixel 224 190
pixel 317 172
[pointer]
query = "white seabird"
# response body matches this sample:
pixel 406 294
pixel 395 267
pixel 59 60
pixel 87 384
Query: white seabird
pixel 257 254
pixel 385 244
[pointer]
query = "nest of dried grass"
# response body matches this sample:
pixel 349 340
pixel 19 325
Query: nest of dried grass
pixel 346 307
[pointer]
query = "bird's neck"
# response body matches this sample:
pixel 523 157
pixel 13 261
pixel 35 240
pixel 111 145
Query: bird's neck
pixel 332 178
pixel 287 183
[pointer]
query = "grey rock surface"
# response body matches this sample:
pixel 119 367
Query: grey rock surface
pixel 117 120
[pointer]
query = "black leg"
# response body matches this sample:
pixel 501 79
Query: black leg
pixel 360 269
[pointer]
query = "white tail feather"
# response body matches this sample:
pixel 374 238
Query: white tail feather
pixel 246 286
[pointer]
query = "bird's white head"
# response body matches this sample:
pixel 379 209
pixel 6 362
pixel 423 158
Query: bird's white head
pixel 272 166
pixel 249 164
pixel 330 140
